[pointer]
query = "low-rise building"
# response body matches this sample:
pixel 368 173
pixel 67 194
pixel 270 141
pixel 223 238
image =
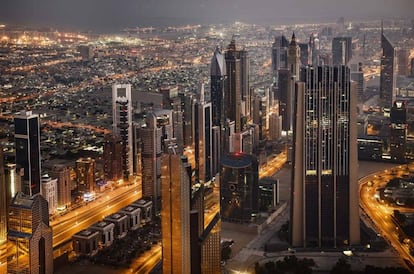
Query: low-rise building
pixel 134 216
pixel 85 242
pixel 106 232
pixel 146 210
pixel 120 220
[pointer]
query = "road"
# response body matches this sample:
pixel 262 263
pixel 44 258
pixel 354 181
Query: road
pixel 379 213
pixel 66 226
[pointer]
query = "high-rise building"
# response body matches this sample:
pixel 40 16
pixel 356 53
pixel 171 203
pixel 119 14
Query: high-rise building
pixel 85 174
pixel 357 75
pixel 398 134
pixel 27 139
pixel 113 158
pixel 403 55
pixel 175 214
pixel 275 126
pixel 30 236
pixel 239 187
pixel 3 215
pixel 172 101
pixel 285 98
pixel 294 57
pixel 341 50
pixel 122 124
pixel 279 56
pixel 218 77
pixel 388 76
pixel 3 204
pixel 237 92
pixel 49 192
pixel 203 138
pixel 287 78
pixel 62 173
pixel 325 206
pixel 151 152
pixel 304 53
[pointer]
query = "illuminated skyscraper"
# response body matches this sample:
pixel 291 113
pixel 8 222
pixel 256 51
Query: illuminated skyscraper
pixel 203 138
pixel 325 206
pixel 3 216
pixel 85 174
pixel 113 158
pixel 341 50
pixel 237 92
pixel 122 124
pixel 30 236
pixel 218 77
pixel 151 152
pixel 388 76
pixel 398 134
pixel 49 192
pixel 62 173
pixel 27 139
pixel 175 214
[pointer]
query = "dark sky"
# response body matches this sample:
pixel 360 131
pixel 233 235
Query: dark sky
pixel 112 15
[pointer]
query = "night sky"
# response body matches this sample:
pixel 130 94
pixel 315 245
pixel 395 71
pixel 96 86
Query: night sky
pixel 112 15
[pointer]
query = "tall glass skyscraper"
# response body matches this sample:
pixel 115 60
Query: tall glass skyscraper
pixel 27 139
pixel 217 77
pixel 325 208
pixel 175 214
pixel 388 76
pixel 341 50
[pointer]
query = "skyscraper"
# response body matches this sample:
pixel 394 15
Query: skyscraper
pixel 30 236
pixel 27 139
pixel 62 173
pixel 122 124
pixel 287 78
pixel 239 187
pixel 151 152
pixel 49 192
pixel 237 92
pixel 293 57
pixel 398 134
pixel 325 207
pixel 85 174
pixel 3 215
pixel 388 76
pixel 203 138
pixel 341 50
pixel 175 214
pixel 279 56
pixel 113 158
pixel 217 85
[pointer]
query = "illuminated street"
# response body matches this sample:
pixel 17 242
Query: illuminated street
pixel 380 213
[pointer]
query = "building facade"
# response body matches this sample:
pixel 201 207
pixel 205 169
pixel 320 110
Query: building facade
pixel 239 187
pixel 388 75
pixel 27 140
pixel 325 206
pixel 122 124
pixel 30 236
pixel 175 215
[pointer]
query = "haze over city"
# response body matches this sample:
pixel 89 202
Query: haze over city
pixel 111 15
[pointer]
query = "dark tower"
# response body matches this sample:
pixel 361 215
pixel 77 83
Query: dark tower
pixel 325 207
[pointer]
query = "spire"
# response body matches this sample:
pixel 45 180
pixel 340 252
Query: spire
pixel 293 41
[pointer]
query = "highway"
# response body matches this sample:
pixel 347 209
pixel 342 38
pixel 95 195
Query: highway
pixel 379 213
pixel 66 226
